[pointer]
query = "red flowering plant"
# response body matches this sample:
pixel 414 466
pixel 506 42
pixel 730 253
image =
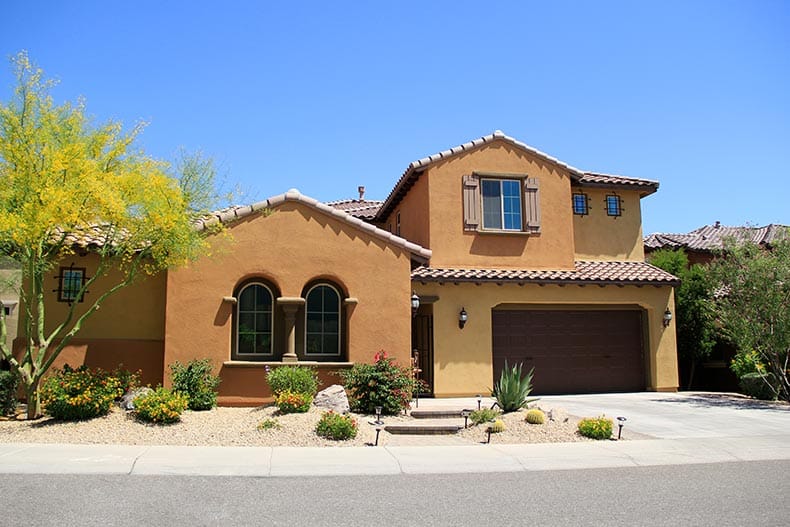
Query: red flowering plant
pixel 384 383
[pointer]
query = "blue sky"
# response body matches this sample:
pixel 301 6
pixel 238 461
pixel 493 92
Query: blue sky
pixel 326 96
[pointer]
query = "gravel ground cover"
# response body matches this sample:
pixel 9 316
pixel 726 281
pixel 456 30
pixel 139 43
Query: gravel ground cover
pixel 239 427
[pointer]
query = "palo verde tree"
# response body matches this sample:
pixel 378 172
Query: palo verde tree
pixel 695 320
pixel 68 185
pixel 753 306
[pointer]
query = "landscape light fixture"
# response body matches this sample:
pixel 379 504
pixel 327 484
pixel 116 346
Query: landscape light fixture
pixel 479 400
pixel 378 431
pixel 415 303
pixel 462 318
pixel 620 423
pixel 465 415
pixel 667 317
pixel 378 420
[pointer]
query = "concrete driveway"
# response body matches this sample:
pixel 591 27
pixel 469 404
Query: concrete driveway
pixel 682 415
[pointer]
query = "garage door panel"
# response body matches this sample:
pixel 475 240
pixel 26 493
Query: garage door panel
pixel 572 351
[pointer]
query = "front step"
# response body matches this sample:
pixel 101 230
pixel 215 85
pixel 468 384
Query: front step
pixel 445 413
pixel 423 429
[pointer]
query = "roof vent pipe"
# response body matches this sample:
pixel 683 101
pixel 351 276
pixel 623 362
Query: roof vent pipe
pixel 361 190
pixel 717 225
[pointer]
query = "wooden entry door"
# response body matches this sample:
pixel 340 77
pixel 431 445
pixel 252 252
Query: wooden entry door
pixel 422 345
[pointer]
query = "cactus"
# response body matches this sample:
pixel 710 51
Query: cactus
pixel 535 417
pixel 497 426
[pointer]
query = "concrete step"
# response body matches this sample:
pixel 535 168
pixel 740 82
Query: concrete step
pixel 423 429
pixel 436 413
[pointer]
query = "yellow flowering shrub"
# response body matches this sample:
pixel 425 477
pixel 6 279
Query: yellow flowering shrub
pixel 160 406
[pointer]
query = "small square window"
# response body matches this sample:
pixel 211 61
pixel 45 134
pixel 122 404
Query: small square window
pixel 7 311
pixel 614 205
pixel 581 205
pixel 70 282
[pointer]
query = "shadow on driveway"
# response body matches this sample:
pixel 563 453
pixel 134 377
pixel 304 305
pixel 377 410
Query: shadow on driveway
pixel 725 400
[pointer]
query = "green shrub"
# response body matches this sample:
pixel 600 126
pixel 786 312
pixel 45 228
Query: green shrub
pixel 295 379
pixel 293 403
pixel 160 406
pixel 596 427
pixel 9 382
pixel 336 426
pixel 535 417
pixel 127 380
pixel 512 390
pixel 196 382
pixel 383 383
pixel 497 426
pixel 268 424
pixel 746 362
pixel 759 385
pixel 483 415
pixel 73 395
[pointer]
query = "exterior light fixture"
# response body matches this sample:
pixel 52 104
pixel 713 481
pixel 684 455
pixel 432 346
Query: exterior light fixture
pixel 479 400
pixel 620 424
pixel 415 303
pixel 378 431
pixel 667 317
pixel 462 318
pixel 465 415
pixel 378 420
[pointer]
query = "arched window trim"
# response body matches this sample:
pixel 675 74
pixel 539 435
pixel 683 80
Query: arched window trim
pixel 241 290
pixel 339 320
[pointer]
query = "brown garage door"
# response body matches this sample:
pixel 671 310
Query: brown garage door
pixel 574 351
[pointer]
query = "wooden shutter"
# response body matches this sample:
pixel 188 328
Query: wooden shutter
pixel 471 196
pixel 531 205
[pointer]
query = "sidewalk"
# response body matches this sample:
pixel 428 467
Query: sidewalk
pixel 283 461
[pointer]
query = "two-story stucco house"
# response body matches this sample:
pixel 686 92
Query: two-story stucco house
pixel 512 255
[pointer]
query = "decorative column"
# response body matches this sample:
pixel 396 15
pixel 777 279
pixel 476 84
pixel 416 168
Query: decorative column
pixel 290 306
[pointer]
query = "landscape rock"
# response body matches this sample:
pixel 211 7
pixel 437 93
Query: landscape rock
pixel 333 398
pixel 557 414
pixel 127 401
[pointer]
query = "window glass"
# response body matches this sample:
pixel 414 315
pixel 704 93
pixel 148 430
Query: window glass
pixel 511 204
pixel 322 324
pixel 71 281
pixel 613 205
pixel 501 204
pixel 254 320
pixel 580 204
pixel 492 204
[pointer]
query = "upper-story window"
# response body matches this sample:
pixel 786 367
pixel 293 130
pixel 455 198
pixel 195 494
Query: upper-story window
pixel 70 282
pixel 502 204
pixel 397 224
pixel 614 205
pixel 581 204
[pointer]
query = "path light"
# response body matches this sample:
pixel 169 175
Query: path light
pixel 415 303
pixel 620 424
pixel 465 415
pixel 462 318
pixel 378 431
pixel 667 317
pixel 489 429
pixel 378 420
pixel 479 400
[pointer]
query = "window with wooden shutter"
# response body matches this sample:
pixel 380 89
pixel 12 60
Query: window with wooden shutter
pixel 531 205
pixel 471 192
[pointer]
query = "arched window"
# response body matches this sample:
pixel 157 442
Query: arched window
pixel 254 320
pixel 322 317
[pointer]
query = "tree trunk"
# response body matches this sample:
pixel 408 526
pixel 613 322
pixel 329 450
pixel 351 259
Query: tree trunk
pixel 33 401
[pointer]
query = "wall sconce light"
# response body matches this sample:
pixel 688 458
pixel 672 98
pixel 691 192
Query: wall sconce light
pixel 415 303
pixel 462 318
pixel 667 317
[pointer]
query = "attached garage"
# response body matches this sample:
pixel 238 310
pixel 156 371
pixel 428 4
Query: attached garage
pixel 574 350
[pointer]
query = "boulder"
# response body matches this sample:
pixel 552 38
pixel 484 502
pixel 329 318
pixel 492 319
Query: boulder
pixel 127 401
pixel 558 414
pixel 333 398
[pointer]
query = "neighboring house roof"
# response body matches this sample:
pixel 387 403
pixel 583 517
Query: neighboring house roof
pixel 581 177
pixel 236 213
pixel 711 237
pixel 364 209
pixel 585 272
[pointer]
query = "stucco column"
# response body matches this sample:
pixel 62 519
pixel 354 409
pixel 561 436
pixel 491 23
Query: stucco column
pixel 290 306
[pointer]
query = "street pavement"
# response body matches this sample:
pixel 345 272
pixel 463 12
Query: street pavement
pixel 688 428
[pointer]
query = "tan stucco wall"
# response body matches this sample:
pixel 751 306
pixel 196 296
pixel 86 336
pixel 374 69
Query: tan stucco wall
pixel 598 236
pixel 455 248
pixel 291 247
pixel 415 214
pixel 463 357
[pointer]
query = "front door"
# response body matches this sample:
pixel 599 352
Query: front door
pixel 422 348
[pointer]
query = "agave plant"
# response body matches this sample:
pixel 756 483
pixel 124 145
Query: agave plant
pixel 512 390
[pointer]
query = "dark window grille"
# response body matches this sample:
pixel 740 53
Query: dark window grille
pixel 581 204
pixel 614 205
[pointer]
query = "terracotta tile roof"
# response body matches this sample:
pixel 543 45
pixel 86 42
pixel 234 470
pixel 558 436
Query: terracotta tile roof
pixel 584 272
pixel 711 237
pixel 235 213
pixel 364 209
pixel 415 168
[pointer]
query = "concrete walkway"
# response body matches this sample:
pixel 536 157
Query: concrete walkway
pixel 689 428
